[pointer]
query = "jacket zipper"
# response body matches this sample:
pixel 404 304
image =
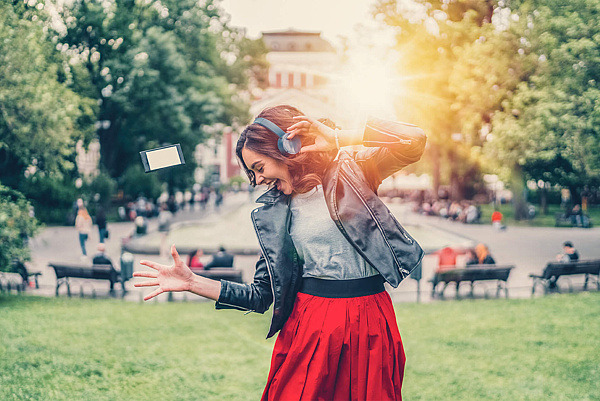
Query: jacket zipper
pixel 376 222
pixel 265 255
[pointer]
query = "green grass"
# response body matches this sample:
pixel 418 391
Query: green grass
pixel 72 349
pixel 539 220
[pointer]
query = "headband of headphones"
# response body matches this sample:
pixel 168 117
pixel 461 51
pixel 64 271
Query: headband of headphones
pixel 286 146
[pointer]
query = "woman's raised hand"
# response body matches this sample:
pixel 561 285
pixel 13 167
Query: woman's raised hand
pixel 177 277
pixel 324 136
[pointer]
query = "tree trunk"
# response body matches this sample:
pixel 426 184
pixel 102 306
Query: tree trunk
pixel 435 158
pixel 544 200
pixel 518 188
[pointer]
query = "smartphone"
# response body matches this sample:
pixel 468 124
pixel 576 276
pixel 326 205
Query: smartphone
pixel 163 157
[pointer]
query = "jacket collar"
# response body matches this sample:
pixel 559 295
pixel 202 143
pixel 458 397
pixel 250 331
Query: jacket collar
pixel 271 196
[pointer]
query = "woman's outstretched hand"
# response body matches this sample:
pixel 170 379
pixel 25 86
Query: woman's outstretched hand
pixel 177 277
pixel 308 126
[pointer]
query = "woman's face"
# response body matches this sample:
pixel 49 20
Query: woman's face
pixel 268 171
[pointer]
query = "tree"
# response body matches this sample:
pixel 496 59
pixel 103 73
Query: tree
pixel 548 128
pixel 162 71
pixel 40 117
pixel 432 36
pixel 16 225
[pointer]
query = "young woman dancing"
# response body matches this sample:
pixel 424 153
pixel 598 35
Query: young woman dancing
pixel 328 244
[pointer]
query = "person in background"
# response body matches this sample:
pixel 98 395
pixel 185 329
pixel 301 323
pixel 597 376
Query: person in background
pixel 497 220
pixel 569 253
pixel 101 222
pixel 101 259
pixel 483 255
pixel 141 226
pixel 220 259
pixel 194 262
pixel 447 259
pixel 83 225
pixel 472 258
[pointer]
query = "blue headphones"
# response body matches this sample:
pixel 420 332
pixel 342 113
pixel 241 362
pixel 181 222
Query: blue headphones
pixel 286 146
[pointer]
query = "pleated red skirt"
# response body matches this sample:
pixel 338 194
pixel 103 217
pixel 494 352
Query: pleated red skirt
pixel 338 349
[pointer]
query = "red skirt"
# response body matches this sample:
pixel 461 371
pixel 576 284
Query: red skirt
pixel 338 349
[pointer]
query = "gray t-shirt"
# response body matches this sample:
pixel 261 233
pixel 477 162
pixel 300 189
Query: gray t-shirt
pixel 326 253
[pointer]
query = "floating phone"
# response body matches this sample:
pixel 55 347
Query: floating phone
pixel 166 156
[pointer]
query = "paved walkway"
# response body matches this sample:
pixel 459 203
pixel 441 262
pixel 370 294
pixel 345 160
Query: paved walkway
pixel 61 244
pixel 527 248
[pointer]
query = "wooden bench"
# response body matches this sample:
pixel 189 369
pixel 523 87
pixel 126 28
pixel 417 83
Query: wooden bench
pixel 561 219
pixel 549 277
pixel 472 274
pixel 221 273
pixel 64 271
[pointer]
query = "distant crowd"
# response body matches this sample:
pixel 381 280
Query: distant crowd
pixel 464 211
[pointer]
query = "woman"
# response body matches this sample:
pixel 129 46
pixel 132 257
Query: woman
pixel 83 225
pixel 194 261
pixel 483 255
pixel 328 243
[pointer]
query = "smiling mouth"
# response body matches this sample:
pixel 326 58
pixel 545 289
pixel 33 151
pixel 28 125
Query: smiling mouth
pixel 273 183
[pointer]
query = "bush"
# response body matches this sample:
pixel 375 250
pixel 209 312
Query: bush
pixel 17 224
pixel 102 188
pixel 51 196
pixel 135 182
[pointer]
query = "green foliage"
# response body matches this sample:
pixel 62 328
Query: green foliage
pixel 40 117
pixel 64 349
pixel 16 226
pixel 101 188
pixel 550 124
pixel 161 71
pixel 434 39
pixel 135 182
pixel 52 195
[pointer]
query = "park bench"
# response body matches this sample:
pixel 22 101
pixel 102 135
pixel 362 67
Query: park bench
pixel 221 273
pixel 471 274
pixel 553 270
pixel 64 271
pixel 563 220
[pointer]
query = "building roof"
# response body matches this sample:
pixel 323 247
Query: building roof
pixel 292 32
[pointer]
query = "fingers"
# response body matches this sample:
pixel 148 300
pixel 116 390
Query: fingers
pixel 149 283
pixel 145 274
pixel 154 293
pixel 295 132
pixel 310 148
pixel 153 265
pixel 299 128
pixel 306 118
pixel 175 255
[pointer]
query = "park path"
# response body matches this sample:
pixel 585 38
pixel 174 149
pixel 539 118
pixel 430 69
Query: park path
pixel 526 247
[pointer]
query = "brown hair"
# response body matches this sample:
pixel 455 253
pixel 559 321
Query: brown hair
pixel 306 169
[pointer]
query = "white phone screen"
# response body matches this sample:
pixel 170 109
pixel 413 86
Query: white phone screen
pixel 162 158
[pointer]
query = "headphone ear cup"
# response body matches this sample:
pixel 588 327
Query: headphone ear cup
pixel 289 146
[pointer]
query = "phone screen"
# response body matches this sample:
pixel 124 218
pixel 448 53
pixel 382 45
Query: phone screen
pixel 167 156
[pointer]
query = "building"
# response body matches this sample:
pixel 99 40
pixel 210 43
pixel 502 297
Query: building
pixel 300 66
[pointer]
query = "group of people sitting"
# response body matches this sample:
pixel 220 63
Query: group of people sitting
pixel 464 211
pixel 219 259
pixel 480 255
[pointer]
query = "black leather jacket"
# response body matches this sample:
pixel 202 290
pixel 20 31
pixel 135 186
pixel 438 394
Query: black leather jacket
pixel 350 187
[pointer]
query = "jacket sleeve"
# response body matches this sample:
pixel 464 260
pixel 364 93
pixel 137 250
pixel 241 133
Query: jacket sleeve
pixel 390 146
pixel 255 297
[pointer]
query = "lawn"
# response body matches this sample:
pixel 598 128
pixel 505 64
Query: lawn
pixel 539 220
pixel 83 349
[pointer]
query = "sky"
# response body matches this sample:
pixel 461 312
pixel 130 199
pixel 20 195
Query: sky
pixel 331 17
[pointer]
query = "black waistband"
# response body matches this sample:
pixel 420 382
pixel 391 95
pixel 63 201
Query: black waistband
pixel 342 288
